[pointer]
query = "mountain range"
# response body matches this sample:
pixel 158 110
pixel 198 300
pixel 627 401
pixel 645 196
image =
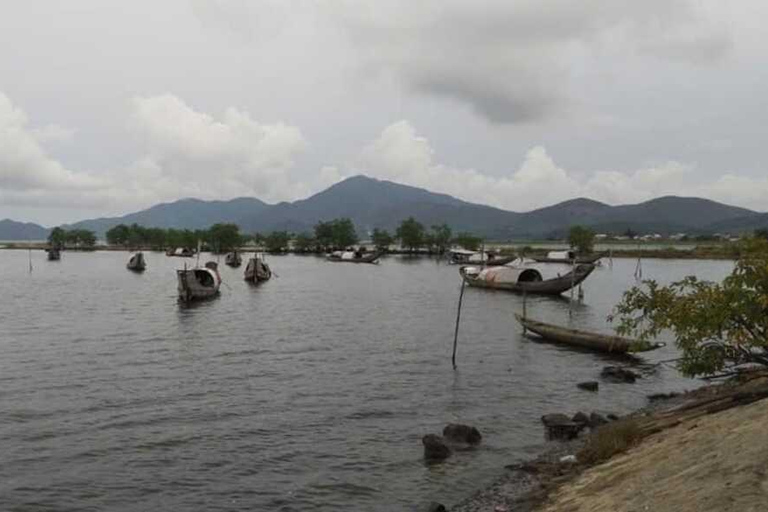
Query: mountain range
pixel 372 203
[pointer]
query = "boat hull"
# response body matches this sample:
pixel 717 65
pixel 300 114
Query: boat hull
pixel 197 284
pixel 257 271
pixel 554 286
pixel 137 263
pixel 580 260
pixel 583 339
pixel 371 258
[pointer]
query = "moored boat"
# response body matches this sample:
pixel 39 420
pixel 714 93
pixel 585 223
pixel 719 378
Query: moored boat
pixel 53 254
pixel 524 279
pixel 585 339
pixel 257 270
pixel 354 257
pixel 198 283
pixel 569 257
pixel 464 257
pixel 137 263
pixel 233 259
pixel 180 252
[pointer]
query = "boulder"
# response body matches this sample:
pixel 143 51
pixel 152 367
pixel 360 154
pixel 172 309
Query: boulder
pixel 611 417
pixel 462 434
pixel 435 449
pixel 552 420
pixel 588 386
pixel 580 418
pixel 619 374
pixel 435 507
pixel 595 420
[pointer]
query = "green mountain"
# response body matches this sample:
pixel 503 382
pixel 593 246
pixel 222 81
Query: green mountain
pixel 12 230
pixel 373 203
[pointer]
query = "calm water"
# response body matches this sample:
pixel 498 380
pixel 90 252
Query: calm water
pixel 309 392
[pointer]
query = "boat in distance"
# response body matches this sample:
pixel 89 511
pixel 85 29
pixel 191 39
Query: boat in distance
pixel 137 263
pixel 354 257
pixel 53 254
pixel 585 339
pixel 464 257
pixel 257 270
pixel 233 259
pixel 198 283
pixel 569 257
pixel 524 279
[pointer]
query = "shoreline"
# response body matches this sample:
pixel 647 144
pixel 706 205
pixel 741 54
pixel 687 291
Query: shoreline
pixel 533 484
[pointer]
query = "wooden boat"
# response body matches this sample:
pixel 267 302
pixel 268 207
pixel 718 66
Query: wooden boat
pixel 257 270
pixel 198 283
pixel 53 254
pixel 354 257
pixel 585 339
pixel 464 257
pixel 233 259
pixel 180 252
pixel 137 262
pixel 569 257
pixel 524 279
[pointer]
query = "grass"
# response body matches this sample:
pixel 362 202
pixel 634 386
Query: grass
pixel 609 440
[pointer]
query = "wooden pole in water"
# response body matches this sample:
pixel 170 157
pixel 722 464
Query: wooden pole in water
pixel 458 318
pixel 30 260
pixel 525 310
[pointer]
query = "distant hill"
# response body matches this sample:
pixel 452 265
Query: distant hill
pixel 373 203
pixel 12 230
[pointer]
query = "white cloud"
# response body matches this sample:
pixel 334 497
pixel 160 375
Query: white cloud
pixel 399 154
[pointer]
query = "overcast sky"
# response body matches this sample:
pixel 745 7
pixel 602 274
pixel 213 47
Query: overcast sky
pixel 107 107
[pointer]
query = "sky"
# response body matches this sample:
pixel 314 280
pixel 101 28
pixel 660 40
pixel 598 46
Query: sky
pixel 109 107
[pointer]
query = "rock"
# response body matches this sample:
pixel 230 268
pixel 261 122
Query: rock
pixel 588 386
pixel 551 420
pixel 662 396
pixel 435 507
pixel 595 420
pixel 570 459
pixel 435 449
pixel 464 434
pixel 618 374
pixel 611 417
pixel 580 418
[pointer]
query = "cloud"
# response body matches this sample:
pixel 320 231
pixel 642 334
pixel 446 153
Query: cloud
pixel 399 154
pixel 512 62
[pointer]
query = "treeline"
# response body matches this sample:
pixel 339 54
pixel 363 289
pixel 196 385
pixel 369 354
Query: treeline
pixel 218 238
pixel 60 238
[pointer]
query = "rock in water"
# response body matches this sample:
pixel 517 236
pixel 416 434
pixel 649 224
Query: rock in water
pixel 435 507
pixel 580 418
pixel 457 433
pixel 595 420
pixel 618 374
pixel 588 386
pixel 435 449
pixel 553 420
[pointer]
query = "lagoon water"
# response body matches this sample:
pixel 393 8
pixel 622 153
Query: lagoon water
pixel 310 392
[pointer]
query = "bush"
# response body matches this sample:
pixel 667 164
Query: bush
pixel 609 440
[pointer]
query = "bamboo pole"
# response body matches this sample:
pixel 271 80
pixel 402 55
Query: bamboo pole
pixel 458 318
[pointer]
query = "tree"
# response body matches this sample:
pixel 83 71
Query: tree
pixel 277 241
pixel 324 234
pixel 411 234
pixel 441 237
pixel 118 235
pixel 223 237
pixel 715 325
pixel 581 238
pixel 57 237
pixel 382 239
pixel 303 242
pixel 761 233
pixel 344 233
pixel 468 241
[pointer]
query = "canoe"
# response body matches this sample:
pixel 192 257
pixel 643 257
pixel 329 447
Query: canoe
pixel 579 259
pixel 524 279
pixel 137 262
pixel 584 339
pixel 353 257
pixel 198 283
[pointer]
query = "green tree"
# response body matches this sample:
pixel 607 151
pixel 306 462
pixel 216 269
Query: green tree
pixel 344 233
pixel 581 238
pixel 324 234
pixel 761 233
pixel 468 241
pixel 441 237
pixel 715 325
pixel 382 239
pixel 277 241
pixel 223 237
pixel 118 235
pixel 304 242
pixel 411 234
pixel 57 237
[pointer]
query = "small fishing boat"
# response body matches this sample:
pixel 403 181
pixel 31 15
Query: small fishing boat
pixel 257 270
pixel 524 279
pixel 53 254
pixel 180 252
pixel 198 283
pixel 569 257
pixel 354 256
pixel 584 339
pixel 464 257
pixel 233 259
pixel 137 262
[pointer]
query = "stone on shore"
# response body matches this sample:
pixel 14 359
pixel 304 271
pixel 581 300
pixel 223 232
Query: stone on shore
pixel 435 449
pixel 595 420
pixel 435 507
pixel 552 420
pixel 580 418
pixel 462 434
pixel 588 386
pixel 618 374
